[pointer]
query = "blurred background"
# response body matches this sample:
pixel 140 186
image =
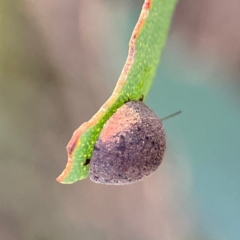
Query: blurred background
pixel 59 61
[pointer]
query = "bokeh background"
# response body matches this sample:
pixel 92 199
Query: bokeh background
pixel 59 61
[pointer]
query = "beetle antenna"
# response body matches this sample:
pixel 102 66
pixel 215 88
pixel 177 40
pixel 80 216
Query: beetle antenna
pixel 170 116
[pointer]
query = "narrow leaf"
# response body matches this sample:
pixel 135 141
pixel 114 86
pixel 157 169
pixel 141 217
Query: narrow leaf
pixel 145 47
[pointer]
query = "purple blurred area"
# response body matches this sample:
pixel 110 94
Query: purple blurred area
pixel 211 26
pixel 59 61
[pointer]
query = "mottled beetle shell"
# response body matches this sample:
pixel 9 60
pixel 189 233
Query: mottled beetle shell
pixel 130 147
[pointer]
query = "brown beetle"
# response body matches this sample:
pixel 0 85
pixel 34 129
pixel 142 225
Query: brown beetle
pixel 130 147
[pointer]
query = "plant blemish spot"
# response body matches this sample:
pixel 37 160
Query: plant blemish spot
pixel 87 162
